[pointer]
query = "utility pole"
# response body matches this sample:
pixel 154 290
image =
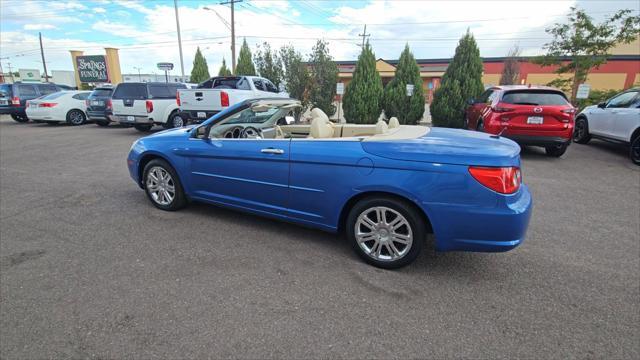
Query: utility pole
pixel 175 5
pixel 44 64
pixel 11 72
pixel 139 76
pixel 233 34
pixel 364 35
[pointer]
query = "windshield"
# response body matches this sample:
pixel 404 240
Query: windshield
pixel 534 97
pixel 263 117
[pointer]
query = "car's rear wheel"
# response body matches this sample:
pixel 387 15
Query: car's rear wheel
pixel 385 232
pixel 19 118
pixel 581 132
pixel 634 152
pixel 76 117
pixel 143 127
pixel 174 121
pixel 556 150
pixel 162 186
pixel 480 126
pixel 102 123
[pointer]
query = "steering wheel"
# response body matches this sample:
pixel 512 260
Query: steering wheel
pixel 251 132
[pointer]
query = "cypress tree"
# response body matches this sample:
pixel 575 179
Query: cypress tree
pixel 224 70
pixel 408 109
pixel 200 70
pixel 268 64
pixel 324 76
pixel 461 81
pixel 245 62
pixel 363 95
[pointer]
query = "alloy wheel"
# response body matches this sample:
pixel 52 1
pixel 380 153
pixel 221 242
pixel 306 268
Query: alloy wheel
pixel 76 118
pixel 635 151
pixel 161 186
pixel 383 233
pixel 177 121
pixel 579 132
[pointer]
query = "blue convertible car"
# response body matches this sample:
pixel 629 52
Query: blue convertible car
pixel 385 185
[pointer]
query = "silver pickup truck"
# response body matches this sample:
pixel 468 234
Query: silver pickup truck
pixel 218 93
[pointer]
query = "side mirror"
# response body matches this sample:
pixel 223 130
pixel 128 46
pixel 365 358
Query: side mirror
pixel 471 101
pixel 289 120
pixel 602 105
pixel 201 132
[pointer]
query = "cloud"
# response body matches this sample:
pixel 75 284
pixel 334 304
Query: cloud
pixel 99 10
pixel 39 27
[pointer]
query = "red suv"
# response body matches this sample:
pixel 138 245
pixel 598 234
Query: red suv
pixel 529 115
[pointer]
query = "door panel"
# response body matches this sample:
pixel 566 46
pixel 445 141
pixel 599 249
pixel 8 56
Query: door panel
pixel 249 173
pixel 625 121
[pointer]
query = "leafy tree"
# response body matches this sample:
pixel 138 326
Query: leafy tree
pixel 296 76
pixel 461 81
pixel 324 76
pixel 511 69
pixel 224 70
pixel 268 64
pixel 363 96
pixel 408 109
pixel 200 70
pixel 586 44
pixel 245 62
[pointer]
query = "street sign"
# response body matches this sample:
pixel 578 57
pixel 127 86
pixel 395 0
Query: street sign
pixel 340 88
pixel 29 74
pixel 165 66
pixel 583 91
pixel 92 69
pixel 410 89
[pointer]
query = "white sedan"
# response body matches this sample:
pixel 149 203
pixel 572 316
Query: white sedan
pixel 62 106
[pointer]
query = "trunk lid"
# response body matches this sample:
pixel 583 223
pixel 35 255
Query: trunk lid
pixel 450 146
pixel 534 110
pixel 130 99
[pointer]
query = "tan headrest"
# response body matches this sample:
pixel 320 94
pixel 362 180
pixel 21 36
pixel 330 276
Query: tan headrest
pixel 318 114
pixel 381 127
pixel 321 128
pixel 394 123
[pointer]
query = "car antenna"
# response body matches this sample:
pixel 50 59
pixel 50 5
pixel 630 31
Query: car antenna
pixel 497 136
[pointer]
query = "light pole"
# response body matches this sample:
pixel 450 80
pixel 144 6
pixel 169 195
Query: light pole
pixel 232 27
pixel 175 5
pixel 139 76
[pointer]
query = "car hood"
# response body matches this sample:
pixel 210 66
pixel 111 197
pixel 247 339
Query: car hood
pixel 450 146
pixel 171 133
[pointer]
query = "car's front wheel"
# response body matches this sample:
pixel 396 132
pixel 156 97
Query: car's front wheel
pixel 76 117
pixel 556 150
pixel 581 132
pixel 143 127
pixel 162 186
pixel 19 118
pixel 385 232
pixel 634 152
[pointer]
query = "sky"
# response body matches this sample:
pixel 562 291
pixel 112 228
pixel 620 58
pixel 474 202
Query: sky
pixel 145 30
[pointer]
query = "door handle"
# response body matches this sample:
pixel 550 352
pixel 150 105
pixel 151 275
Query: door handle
pixel 272 151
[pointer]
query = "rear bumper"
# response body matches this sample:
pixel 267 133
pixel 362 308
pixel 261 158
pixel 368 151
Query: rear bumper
pixel 131 119
pixel 99 115
pixel 483 229
pixel 8 110
pixel 539 140
pixel 192 116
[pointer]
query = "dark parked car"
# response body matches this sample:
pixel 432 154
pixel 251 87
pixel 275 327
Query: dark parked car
pixel 13 97
pixel 99 107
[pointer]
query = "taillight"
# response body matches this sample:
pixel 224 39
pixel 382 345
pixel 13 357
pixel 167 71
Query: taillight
pixel 224 98
pixel 108 104
pixel 47 105
pixel 15 101
pixel 178 97
pixel 149 104
pixel 568 111
pixel 501 109
pixel 504 180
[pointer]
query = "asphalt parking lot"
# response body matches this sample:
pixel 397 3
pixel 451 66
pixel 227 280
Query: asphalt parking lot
pixel 89 268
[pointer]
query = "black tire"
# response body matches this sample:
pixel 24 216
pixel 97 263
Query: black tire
pixel 143 127
pixel 581 132
pixel 76 117
pixel 414 227
pixel 179 200
pixel 634 152
pixel 103 123
pixel 174 121
pixel 465 123
pixel 480 126
pixel 556 150
pixel 19 118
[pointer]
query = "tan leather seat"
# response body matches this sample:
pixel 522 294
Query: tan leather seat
pixel 381 127
pixel 394 123
pixel 321 127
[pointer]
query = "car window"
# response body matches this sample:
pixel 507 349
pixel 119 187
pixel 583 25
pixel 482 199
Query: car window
pixel 205 85
pixel 534 97
pixel 226 83
pixel 243 84
pixel 623 100
pixel 81 96
pixel 130 91
pixel 160 91
pixel 48 89
pixel 101 93
pixel 5 90
pixel 249 117
pixel 258 84
pixel 484 97
pixel 270 87
pixel 52 96
pixel 27 90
